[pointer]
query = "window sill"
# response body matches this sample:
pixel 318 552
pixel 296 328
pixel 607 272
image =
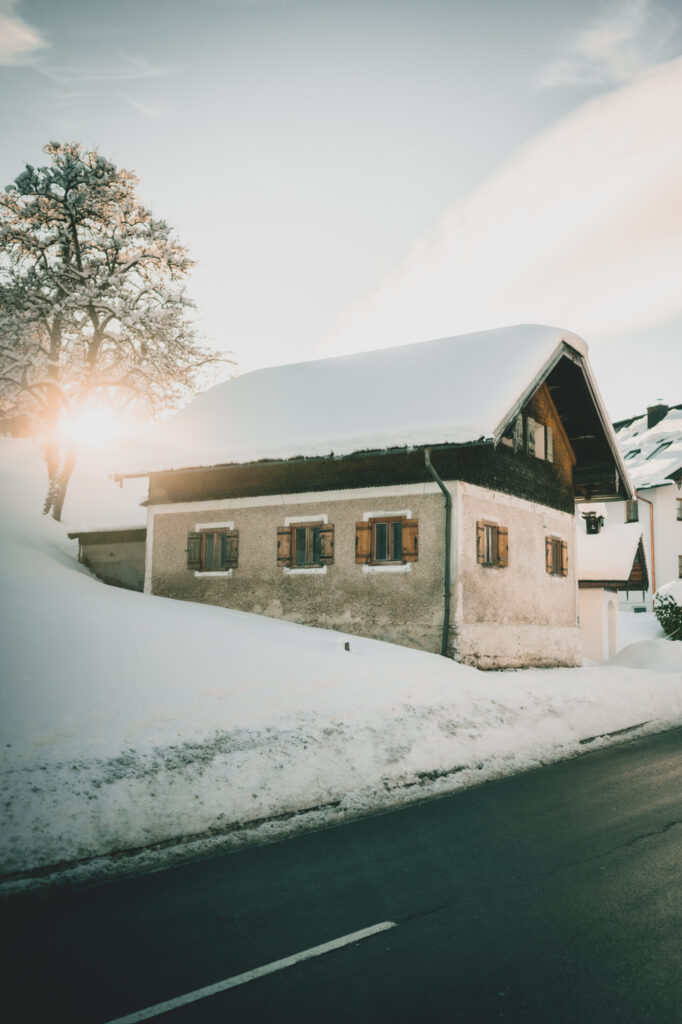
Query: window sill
pixel 201 573
pixel 319 570
pixel 395 567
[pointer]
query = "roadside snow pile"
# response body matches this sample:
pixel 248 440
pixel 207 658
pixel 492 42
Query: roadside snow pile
pixel 655 655
pixel 636 626
pixel 131 721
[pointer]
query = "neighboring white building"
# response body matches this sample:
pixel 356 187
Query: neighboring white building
pixel 609 561
pixel 651 446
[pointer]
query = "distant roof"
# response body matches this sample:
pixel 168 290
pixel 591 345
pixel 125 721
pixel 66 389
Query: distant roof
pixel 653 455
pixel 449 391
pixel 609 555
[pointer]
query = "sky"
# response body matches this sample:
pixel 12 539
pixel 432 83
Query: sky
pixel 356 174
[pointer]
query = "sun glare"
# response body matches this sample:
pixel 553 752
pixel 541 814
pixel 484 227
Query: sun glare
pixel 94 428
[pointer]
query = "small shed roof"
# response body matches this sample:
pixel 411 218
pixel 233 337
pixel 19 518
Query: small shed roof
pixel 609 556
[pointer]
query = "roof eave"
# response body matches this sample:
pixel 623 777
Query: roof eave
pixel 564 348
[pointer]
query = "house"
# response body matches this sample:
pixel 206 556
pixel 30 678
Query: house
pixel 610 561
pixel 422 495
pixel 651 446
pixel 114 554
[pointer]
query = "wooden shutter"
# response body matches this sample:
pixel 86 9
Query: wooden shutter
pixel 326 545
pixel 480 543
pixel 517 436
pixel 564 558
pixel 231 549
pixel 549 444
pixel 548 554
pixel 284 547
pixel 502 547
pixel 530 435
pixel 363 542
pixel 193 550
pixel 410 540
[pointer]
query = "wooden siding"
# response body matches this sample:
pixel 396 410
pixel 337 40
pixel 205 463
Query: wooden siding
pixel 496 468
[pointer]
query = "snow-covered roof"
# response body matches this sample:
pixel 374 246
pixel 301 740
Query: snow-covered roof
pixel 452 390
pixel 651 454
pixel 608 555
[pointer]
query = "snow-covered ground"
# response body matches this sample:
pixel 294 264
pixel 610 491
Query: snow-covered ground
pixel 137 723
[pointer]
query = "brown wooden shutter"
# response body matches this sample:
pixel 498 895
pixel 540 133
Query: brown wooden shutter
pixel 193 550
pixel 410 540
pixel 549 444
pixel 564 558
pixel 363 542
pixel 284 546
pixel 502 547
pixel 548 554
pixel 530 435
pixel 480 543
pixel 326 545
pixel 231 549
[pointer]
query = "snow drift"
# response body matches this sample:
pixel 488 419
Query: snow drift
pixel 133 722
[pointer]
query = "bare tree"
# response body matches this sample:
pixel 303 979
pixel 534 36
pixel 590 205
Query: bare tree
pixel 92 302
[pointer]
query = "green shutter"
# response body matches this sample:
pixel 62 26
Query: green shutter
pixel 193 550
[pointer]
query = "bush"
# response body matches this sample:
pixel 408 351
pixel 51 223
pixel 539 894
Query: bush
pixel 669 614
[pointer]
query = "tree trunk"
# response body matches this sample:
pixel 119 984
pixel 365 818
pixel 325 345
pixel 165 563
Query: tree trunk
pixel 61 484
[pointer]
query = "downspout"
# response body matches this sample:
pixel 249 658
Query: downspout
pixel 651 524
pixel 446 564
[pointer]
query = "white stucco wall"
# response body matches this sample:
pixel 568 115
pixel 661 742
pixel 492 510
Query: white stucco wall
pixel 518 615
pixel 598 623
pixel 499 617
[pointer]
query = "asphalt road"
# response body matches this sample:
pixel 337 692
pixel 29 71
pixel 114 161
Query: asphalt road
pixel 551 896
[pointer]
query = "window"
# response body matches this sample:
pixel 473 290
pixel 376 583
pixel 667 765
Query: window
pixel 679 508
pixel 539 440
pixel 492 544
pixel 679 566
pixel 305 545
pixel 387 540
pixel 556 556
pixel 213 549
pixel 632 511
pixel 659 448
pixel 631 454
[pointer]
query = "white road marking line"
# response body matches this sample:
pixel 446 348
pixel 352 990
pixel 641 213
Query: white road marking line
pixel 257 972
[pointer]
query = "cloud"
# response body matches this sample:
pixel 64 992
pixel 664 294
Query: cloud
pixel 18 41
pixel 581 228
pixel 628 38
pixel 143 108
pixel 123 68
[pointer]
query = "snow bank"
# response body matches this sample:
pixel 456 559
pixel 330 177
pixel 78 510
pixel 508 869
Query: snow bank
pixel 673 589
pixel 131 722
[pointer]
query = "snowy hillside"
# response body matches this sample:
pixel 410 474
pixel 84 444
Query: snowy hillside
pixel 129 720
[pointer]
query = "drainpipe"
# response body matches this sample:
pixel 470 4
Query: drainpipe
pixel 446 564
pixel 651 524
